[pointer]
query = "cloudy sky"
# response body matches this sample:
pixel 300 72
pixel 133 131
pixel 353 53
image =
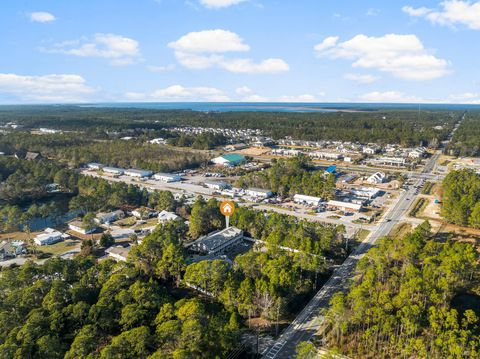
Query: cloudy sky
pixel 239 50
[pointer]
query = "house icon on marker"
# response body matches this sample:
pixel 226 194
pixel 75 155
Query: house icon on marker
pixel 227 208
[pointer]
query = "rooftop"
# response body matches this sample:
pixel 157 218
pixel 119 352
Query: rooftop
pixel 215 239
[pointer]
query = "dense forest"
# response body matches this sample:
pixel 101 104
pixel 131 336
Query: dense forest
pixel 413 297
pixel 461 198
pixel 76 149
pixel 86 309
pixel 290 176
pixel 465 141
pixel 405 127
pixel 143 308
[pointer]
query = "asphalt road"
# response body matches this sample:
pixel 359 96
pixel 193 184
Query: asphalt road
pixel 310 319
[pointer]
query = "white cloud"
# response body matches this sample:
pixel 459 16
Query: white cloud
pixel 373 12
pixel 389 96
pixel 217 4
pixel 42 16
pixel 326 44
pixel 299 98
pixel 118 49
pixel 167 68
pixel 206 49
pixel 209 41
pixel 360 78
pixel 404 56
pixel 243 90
pixel 452 12
pixel 466 97
pixel 180 93
pixel 248 66
pixel 47 88
pixel 421 11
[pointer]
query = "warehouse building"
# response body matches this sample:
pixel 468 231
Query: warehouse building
pixel 308 200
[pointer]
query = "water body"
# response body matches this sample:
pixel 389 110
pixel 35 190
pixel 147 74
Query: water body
pixel 277 106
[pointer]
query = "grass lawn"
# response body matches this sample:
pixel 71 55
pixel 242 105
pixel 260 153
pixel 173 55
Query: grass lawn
pixel 362 234
pixel 60 247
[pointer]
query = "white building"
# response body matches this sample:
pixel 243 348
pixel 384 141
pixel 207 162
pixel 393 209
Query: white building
pixel 118 253
pixel 114 170
pixel 138 173
pixel 259 193
pixel 216 185
pixel 108 217
pixel 331 156
pixel 167 177
pixel 219 241
pixel 390 161
pixel 366 192
pixel 79 227
pixel 229 160
pixel 122 233
pixel 144 212
pixel 376 178
pixel 166 216
pixel 344 206
pixel 309 200
pixel 417 153
pixel 49 236
pixel 94 166
pixel 158 141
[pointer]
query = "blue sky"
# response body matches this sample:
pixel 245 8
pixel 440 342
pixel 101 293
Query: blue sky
pixel 239 50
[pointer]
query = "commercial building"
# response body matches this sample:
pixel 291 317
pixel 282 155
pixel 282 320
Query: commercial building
pixel 344 206
pixel 217 185
pixel 229 160
pixel 49 236
pixel 365 192
pixel 218 242
pixel 377 178
pixel 138 173
pixel 259 193
pixel 390 161
pixel 309 200
pixel 167 177
pixel 330 156
pixel 113 171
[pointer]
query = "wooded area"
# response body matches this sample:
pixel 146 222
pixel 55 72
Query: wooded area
pixel 406 127
pixel 413 297
pixel 461 198
pixel 291 176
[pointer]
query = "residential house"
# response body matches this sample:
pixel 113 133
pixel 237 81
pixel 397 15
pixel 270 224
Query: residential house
pixel 166 216
pixel 49 236
pixel 218 242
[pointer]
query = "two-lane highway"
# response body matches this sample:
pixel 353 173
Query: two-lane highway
pixel 308 322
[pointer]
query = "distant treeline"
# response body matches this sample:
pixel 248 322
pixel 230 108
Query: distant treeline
pixel 466 141
pixel 76 149
pixel 405 127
